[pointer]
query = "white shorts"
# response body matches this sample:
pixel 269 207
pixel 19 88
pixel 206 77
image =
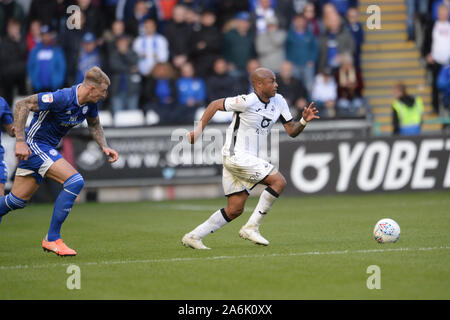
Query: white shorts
pixel 243 172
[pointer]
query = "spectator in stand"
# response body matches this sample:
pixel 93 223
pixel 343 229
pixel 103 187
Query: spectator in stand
pixel 94 18
pixel 34 34
pixel 10 9
pixel 151 48
pixel 437 50
pixel 205 44
pixel 111 35
pixel 134 25
pixel 302 51
pixel 191 92
pixel 292 90
pixel 350 85
pixel 70 40
pixel 160 94
pixel 336 41
pixel 270 46
pixel 238 45
pixel 435 8
pixel 46 64
pixel 89 56
pixel 443 84
pixel 262 11
pixel 324 93
pixel 193 20
pixel 407 112
pixel 125 78
pixel 178 45
pixel 243 83
pixel 313 24
pixel 13 58
pixel 220 84
pixel 357 32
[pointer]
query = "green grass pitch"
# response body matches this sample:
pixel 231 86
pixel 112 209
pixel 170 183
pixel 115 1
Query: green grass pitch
pixel 320 248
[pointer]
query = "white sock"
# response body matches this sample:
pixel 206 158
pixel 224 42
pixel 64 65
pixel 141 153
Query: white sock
pixel 267 198
pixel 216 221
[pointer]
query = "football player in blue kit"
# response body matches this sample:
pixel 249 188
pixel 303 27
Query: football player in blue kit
pixel 6 121
pixel 55 114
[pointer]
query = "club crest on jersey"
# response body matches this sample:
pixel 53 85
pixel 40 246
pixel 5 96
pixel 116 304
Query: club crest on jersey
pixel 85 109
pixel 53 152
pixel 47 98
pixel 265 122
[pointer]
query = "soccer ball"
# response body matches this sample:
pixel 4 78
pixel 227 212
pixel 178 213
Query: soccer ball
pixel 386 231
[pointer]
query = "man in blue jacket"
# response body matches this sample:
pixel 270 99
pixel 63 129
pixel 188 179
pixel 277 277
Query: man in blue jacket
pixel 302 51
pixel 46 64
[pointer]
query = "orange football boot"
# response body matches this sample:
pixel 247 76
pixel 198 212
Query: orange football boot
pixel 58 247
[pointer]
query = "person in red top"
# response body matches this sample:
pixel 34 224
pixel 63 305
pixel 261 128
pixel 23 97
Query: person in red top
pixel 350 85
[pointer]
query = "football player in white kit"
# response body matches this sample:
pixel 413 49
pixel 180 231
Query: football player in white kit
pixel 254 115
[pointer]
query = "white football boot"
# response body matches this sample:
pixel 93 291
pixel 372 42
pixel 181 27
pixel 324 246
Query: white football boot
pixel 193 241
pixel 251 233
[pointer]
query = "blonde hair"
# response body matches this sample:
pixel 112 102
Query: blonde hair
pixel 95 76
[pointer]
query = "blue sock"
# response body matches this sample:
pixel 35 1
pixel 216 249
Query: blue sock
pixel 64 204
pixel 10 202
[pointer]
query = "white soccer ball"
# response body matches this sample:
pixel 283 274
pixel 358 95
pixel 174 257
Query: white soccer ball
pixel 386 231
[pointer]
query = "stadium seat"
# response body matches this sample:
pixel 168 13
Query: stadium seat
pixel 151 118
pixel 129 118
pixel 106 118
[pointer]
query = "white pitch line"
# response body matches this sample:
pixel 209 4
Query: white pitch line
pixel 293 254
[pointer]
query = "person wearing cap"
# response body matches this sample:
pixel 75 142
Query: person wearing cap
pixel 238 45
pixel 270 45
pixel 89 56
pixel 46 64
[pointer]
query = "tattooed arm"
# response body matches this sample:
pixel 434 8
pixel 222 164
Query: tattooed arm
pixel 96 130
pixel 22 109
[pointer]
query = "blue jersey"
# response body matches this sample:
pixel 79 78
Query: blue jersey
pixel 5 118
pixel 59 111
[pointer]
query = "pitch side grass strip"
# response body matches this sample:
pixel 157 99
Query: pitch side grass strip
pixel 294 254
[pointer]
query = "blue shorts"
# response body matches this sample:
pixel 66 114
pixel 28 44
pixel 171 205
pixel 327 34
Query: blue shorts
pixel 41 159
pixel 3 171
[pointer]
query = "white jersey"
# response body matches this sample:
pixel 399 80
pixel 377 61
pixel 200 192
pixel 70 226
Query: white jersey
pixel 252 121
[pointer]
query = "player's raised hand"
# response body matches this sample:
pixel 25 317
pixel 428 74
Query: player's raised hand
pixel 22 150
pixel 111 153
pixel 310 113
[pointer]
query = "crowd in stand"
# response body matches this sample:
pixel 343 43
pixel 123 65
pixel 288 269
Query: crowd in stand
pixel 434 17
pixel 173 57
